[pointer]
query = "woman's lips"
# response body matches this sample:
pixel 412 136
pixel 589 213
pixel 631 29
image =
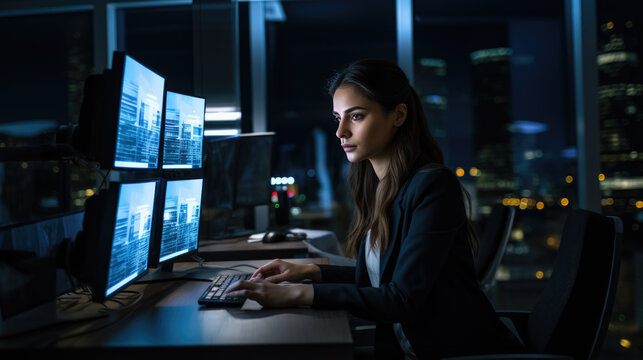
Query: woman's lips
pixel 349 148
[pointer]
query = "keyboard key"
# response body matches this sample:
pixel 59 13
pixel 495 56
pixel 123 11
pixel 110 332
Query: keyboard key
pixel 212 295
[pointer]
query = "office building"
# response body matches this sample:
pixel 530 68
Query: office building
pixel 505 87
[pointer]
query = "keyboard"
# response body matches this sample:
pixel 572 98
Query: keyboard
pixel 212 295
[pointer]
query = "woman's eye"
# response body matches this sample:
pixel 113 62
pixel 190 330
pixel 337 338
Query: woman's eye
pixel 336 119
pixel 357 117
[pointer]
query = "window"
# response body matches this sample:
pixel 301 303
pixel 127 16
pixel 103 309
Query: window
pixel 620 98
pixel 162 39
pixel 493 79
pixel 45 63
pixel 316 39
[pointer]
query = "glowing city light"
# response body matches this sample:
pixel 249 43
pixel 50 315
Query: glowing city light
pixel 551 241
pixel 625 343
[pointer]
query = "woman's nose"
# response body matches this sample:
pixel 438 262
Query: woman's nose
pixel 342 130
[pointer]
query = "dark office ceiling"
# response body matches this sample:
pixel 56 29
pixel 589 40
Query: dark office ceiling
pixel 430 9
pixel 330 11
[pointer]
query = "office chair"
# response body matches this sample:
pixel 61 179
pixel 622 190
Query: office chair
pixel 571 316
pixel 493 243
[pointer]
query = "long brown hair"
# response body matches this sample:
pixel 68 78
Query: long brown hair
pixel 412 148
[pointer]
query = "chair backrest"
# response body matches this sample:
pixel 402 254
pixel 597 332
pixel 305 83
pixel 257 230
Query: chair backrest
pixel 573 312
pixel 493 243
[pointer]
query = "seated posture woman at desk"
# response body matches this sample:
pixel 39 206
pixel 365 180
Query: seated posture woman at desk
pixel 413 241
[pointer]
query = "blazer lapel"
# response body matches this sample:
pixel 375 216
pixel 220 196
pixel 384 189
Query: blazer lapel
pixel 392 250
pixel 361 274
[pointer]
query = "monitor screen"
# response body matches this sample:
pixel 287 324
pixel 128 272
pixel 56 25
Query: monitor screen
pixel 252 179
pixel 219 172
pixel 132 231
pixel 181 215
pixel 183 139
pixel 139 117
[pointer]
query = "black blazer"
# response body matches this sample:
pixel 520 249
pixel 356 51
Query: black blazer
pixel 427 276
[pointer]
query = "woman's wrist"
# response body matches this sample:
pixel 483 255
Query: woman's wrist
pixel 304 295
pixel 313 272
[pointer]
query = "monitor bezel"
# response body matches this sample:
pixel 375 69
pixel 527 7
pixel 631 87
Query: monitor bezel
pixel 161 156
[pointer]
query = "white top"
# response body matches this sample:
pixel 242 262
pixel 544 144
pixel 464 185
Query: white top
pixel 373 267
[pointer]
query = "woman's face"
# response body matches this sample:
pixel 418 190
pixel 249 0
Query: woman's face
pixel 363 127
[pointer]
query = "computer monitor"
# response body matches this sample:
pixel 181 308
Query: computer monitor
pixel 252 179
pixel 183 131
pixel 178 230
pixel 237 174
pixel 120 118
pixel 219 170
pixel 113 248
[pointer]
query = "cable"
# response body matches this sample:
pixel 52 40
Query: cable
pixel 227 241
pixel 117 319
pixel 202 263
pixel 229 267
pixel 198 259
pixel 136 295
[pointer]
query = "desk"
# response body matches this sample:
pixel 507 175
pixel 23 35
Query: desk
pixel 168 322
pixel 318 243
pixel 241 249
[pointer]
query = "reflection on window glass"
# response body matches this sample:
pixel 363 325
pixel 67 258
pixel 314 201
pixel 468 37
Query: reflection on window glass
pixel 620 98
pixel 161 39
pixel 494 86
pixel 316 39
pixel 46 59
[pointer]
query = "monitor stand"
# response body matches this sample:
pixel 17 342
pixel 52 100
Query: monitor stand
pixel 167 272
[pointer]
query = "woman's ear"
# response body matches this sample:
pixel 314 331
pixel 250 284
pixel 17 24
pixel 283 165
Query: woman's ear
pixel 400 115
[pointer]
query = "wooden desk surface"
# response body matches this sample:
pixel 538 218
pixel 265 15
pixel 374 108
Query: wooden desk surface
pixel 167 321
pixel 241 249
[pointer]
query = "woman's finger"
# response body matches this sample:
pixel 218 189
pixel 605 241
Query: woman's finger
pixel 277 278
pixel 240 285
pixel 245 293
pixel 257 276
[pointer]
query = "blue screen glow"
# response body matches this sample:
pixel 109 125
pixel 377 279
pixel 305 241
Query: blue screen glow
pixel 132 230
pixel 181 218
pixel 183 139
pixel 139 118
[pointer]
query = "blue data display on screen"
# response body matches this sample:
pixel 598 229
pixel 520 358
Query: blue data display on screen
pixel 132 230
pixel 181 218
pixel 139 118
pixel 183 140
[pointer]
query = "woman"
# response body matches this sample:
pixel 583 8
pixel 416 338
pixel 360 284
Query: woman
pixel 413 241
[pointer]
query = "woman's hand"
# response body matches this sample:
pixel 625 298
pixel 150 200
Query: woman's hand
pixel 269 294
pixel 278 270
